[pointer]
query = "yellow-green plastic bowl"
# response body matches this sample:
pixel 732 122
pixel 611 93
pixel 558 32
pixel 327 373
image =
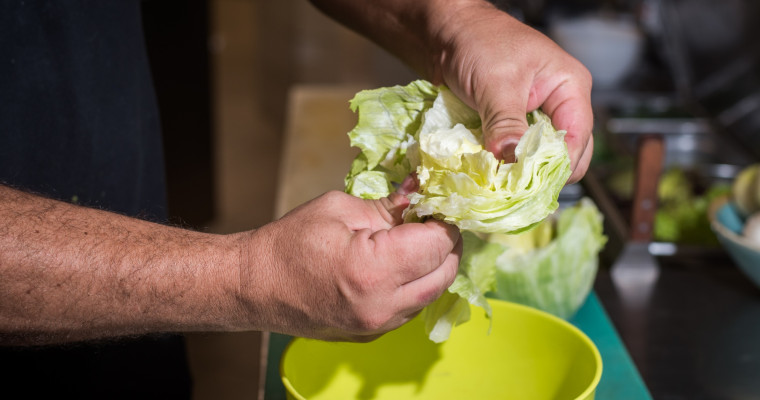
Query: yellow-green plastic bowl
pixel 528 355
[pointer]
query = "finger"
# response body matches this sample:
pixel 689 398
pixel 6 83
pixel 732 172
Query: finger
pixel 504 118
pixel 415 249
pixel 502 133
pixel 417 294
pixel 579 138
pixel 392 207
pixel 402 317
pixel 583 164
pixel 409 185
pixel 569 107
pixel 375 215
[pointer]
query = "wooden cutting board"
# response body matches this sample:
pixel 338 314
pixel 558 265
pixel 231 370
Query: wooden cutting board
pixel 316 154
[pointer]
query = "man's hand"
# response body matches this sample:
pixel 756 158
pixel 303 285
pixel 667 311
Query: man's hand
pixel 505 69
pixel 343 268
pixel 496 64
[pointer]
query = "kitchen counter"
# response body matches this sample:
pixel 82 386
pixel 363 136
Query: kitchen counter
pixel 696 335
pixel 692 321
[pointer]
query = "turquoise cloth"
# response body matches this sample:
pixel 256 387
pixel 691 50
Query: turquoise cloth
pixel 620 378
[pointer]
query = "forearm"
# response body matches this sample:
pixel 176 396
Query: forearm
pixel 72 273
pixel 414 31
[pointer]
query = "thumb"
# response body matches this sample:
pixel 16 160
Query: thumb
pixel 503 126
pixel 391 208
pixel 395 204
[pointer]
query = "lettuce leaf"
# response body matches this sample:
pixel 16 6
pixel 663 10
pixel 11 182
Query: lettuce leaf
pixel 476 277
pixel 554 276
pixel 426 129
pixel 463 184
pixel 389 121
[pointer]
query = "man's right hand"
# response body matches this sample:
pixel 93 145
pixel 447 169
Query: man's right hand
pixel 343 268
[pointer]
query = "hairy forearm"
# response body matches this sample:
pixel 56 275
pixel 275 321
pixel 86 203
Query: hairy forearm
pixel 72 273
pixel 414 31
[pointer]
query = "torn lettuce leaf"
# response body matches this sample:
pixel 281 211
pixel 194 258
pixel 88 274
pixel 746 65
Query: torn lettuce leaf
pixel 476 277
pixel 464 184
pixel 426 129
pixel 556 275
pixel 389 119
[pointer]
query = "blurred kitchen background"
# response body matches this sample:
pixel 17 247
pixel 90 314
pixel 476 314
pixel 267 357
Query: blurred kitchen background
pixel 685 70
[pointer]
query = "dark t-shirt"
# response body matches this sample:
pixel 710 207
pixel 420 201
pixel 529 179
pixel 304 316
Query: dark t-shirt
pixel 79 123
pixel 78 114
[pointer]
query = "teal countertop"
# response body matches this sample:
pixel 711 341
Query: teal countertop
pixel 620 378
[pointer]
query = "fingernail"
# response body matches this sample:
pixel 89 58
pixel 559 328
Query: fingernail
pixel 409 185
pixel 508 153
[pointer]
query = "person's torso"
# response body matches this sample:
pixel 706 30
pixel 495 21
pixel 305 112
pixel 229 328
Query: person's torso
pixel 78 117
pixel 79 123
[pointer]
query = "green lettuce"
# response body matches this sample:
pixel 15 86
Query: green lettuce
pixel 551 267
pixel 425 129
pixel 475 278
pixel 389 120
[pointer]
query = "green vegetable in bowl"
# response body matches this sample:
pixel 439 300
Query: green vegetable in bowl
pixel 681 216
pixel 426 129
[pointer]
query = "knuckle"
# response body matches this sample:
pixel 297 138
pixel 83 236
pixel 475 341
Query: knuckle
pixel 501 122
pixel 579 73
pixel 365 283
pixel 370 322
pixel 583 72
pixel 370 314
pixel 427 296
pixel 333 197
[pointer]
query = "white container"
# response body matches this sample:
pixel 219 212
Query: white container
pixel 609 47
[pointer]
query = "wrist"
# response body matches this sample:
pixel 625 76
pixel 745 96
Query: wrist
pixel 445 20
pixel 250 288
pixel 212 290
pixel 229 276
